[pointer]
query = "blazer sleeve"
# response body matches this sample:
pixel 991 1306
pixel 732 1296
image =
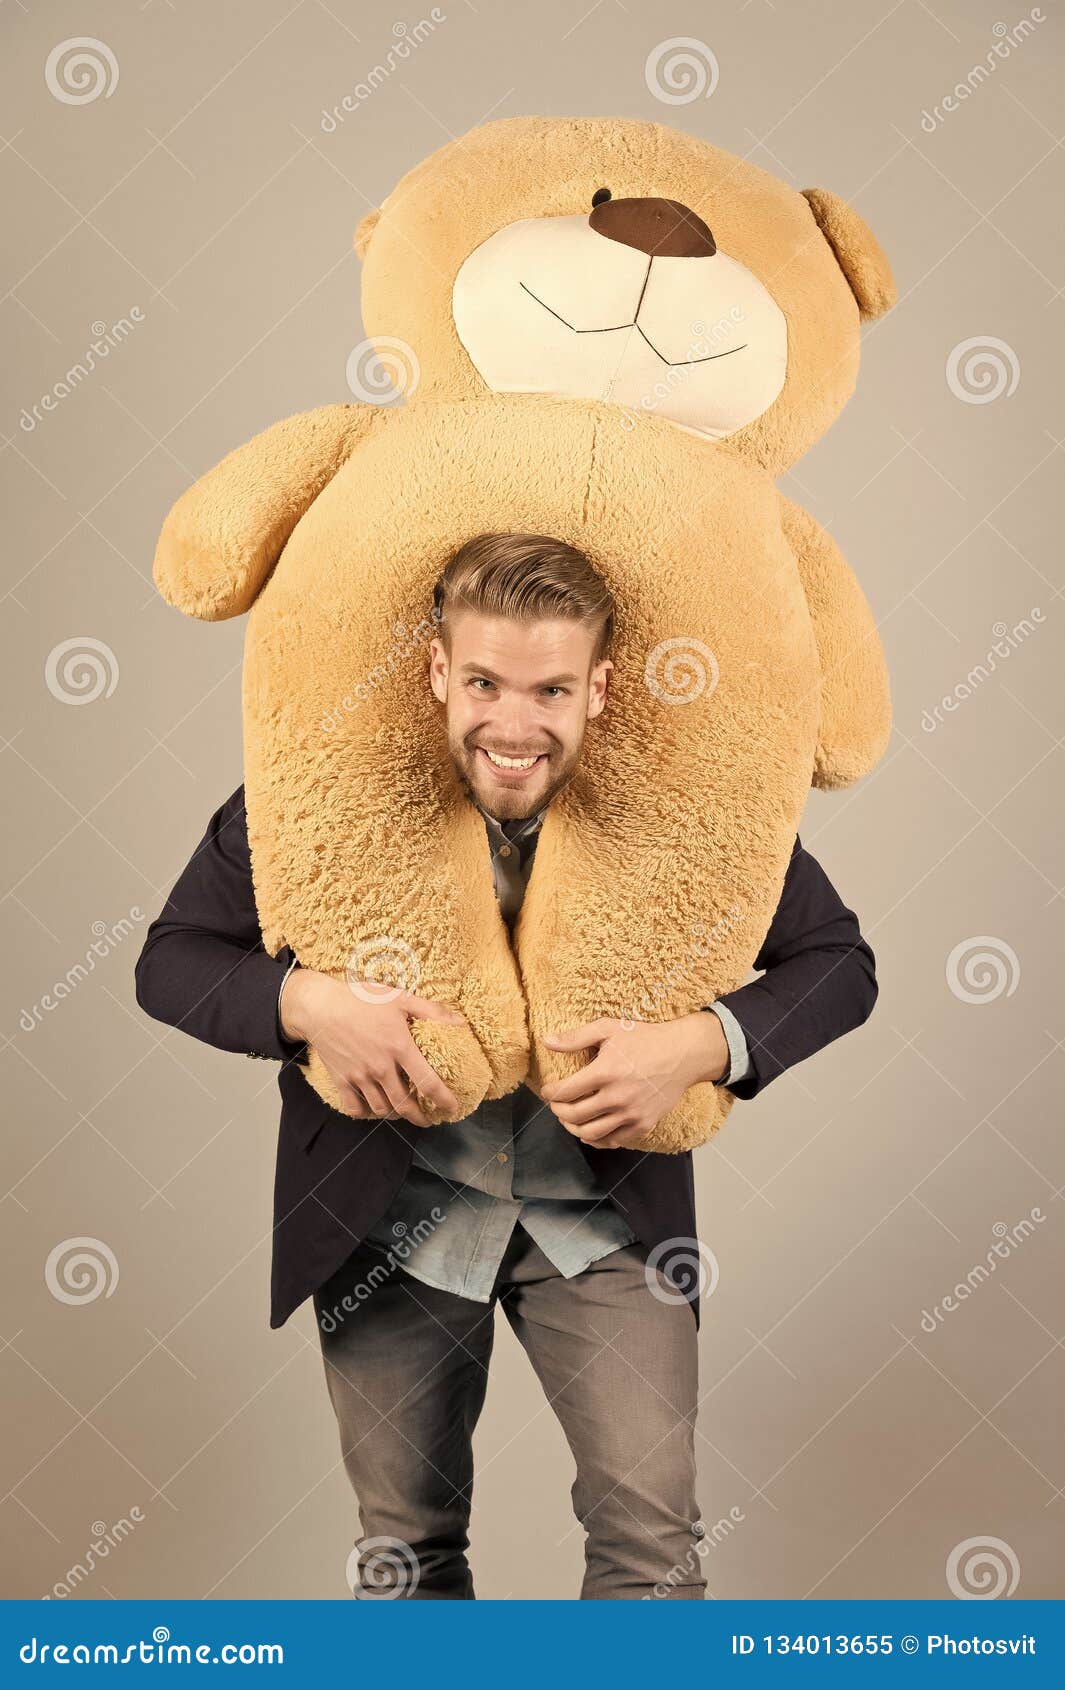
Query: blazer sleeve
pixel 203 967
pixel 819 978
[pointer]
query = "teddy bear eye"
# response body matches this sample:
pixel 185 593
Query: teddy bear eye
pixel 600 195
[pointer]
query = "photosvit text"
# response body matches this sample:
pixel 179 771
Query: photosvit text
pixel 935 1643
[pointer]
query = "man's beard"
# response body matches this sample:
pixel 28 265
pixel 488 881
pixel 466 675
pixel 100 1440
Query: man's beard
pixel 513 803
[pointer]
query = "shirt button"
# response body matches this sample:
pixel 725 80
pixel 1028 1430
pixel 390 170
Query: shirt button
pixel 501 1156
pixel 504 850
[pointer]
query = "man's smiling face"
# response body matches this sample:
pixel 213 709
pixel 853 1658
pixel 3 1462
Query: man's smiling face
pixel 518 696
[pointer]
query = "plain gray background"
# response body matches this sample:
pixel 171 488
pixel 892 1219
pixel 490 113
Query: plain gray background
pixel 850 1450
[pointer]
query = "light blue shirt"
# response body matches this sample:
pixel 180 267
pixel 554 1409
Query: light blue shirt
pixel 473 1180
pixel 470 1182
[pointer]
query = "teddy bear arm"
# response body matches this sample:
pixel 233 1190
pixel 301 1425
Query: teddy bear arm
pixel 855 692
pixel 224 535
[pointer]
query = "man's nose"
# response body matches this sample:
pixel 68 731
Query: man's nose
pixel 514 720
pixel 661 228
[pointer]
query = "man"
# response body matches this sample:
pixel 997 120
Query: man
pixel 409 1234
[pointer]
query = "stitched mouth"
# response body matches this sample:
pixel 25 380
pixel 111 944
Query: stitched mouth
pixel 615 328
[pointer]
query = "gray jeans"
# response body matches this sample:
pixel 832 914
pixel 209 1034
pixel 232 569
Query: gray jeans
pixel 407 1367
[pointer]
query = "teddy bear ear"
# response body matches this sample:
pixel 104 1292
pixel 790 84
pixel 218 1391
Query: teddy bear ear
pixel 365 231
pixel 858 252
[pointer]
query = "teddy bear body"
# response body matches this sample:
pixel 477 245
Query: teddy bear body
pixel 616 334
pixel 655 875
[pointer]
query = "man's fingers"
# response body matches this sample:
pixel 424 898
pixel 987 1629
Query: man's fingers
pixel 428 1081
pixel 352 1101
pixel 404 1104
pixel 583 1037
pixel 425 1009
pixel 586 1109
pixel 585 1083
pixel 593 1132
pixel 626 1138
pixel 376 1100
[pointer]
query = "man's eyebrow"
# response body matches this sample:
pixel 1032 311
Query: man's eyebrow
pixel 490 675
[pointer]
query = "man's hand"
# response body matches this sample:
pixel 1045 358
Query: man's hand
pixel 366 1044
pixel 639 1074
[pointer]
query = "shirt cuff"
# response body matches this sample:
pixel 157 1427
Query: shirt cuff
pixel 739 1056
pixel 291 1048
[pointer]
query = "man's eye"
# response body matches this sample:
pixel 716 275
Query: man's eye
pixel 559 692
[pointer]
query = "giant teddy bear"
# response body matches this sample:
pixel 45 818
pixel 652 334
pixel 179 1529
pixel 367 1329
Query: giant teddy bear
pixel 614 333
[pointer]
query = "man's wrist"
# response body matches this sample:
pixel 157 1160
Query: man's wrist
pixel 711 1051
pixel 740 1066
pixel 290 1002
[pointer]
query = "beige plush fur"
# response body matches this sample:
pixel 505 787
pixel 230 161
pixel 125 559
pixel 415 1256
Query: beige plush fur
pixel 659 868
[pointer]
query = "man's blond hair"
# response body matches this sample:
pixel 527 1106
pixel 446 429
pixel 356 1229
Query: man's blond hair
pixel 525 576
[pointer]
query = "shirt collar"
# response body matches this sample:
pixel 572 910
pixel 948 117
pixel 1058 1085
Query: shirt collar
pixel 516 831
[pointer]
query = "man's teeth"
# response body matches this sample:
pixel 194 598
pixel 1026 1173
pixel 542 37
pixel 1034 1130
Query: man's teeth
pixel 509 762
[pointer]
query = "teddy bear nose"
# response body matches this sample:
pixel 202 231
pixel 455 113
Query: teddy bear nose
pixel 662 228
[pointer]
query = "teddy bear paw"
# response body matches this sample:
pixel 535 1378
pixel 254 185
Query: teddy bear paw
pixel 455 1055
pixel 695 1119
pixel 452 1052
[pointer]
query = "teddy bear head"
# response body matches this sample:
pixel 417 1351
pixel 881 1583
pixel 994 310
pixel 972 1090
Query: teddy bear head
pixel 602 258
